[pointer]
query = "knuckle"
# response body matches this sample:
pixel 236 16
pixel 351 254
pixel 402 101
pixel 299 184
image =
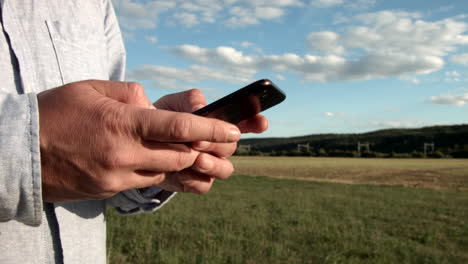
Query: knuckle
pixel 159 178
pixel 199 188
pixel 195 96
pixel 217 131
pixel 180 128
pixel 163 101
pixel 104 183
pixel 135 88
pixel 111 117
pixel 203 189
pixel 195 184
pixel 182 161
pixel 110 185
pixel 115 160
pixel 231 149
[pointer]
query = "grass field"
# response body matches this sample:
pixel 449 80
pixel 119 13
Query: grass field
pixel 249 219
pixel 428 173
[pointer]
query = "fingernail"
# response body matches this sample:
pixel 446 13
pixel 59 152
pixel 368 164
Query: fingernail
pixel 195 108
pixel 205 164
pixel 201 145
pixel 234 134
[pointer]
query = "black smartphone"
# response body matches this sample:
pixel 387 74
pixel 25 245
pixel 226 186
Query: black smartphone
pixel 245 102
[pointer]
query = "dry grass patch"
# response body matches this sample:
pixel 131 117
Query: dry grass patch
pixel 424 173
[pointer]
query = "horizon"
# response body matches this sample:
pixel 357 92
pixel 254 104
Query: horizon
pixel 346 66
pixel 354 133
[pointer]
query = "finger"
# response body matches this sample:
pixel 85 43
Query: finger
pixel 256 124
pixel 194 182
pixel 166 126
pixel 124 92
pixel 184 181
pixel 187 181
pixel 155 157
pixel 143 179
pixel 163 157
pixel 217 149
pixel 187 101
pixel 210 165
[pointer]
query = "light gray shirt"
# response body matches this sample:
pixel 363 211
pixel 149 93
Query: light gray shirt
pixel 45 44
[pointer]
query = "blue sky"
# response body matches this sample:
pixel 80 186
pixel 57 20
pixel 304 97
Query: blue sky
pixel 346 66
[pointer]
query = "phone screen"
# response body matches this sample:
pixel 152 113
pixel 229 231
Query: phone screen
pixel 245 102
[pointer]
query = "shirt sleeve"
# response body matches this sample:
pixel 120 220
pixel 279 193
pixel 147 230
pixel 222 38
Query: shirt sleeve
pixel 20 166
pixel 130 201
pixel 115 46
pixel 140 200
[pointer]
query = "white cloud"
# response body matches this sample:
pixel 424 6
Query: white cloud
pixel 340 18
pixel 353 4
pixel 460 59
pixel 250 15
pixel 312 68
pixel 397 124
pixel 280 77
pixel 452 74
pixel 398 43
pixel 448 79
pixel 227 57
pixel 326 3
pixel 379 45
pixel 189 13
pixel 241 16
pixel 203 11
pixel 360 4
pixel 133 15
pixel 268 12
pixel 329 114
pixel 450 99
pixel 186 19
pixel 281 3
pixel 152 39
pixel 403 32
pixel 444 9
pixel 246 44
pixel 410 79
pixel 128 36
pixel 192 74
pixel 276 2
pixel 325 41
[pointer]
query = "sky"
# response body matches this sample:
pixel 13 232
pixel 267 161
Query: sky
pixel 345 66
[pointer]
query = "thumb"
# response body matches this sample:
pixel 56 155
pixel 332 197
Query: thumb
pixel 187 101
pixel 125 92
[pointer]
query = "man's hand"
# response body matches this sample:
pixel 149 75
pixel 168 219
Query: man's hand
pixel 98 138
pixel 211 164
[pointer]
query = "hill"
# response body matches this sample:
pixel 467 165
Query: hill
pixel 447 139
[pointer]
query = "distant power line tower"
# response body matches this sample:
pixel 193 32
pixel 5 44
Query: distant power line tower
pixel 361 146
pixel 429 147
pixel 244 147
pixel 303 146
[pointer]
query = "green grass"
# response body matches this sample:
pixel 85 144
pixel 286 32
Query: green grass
pixel 263 220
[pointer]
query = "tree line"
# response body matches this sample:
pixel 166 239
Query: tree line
pixel 449 141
